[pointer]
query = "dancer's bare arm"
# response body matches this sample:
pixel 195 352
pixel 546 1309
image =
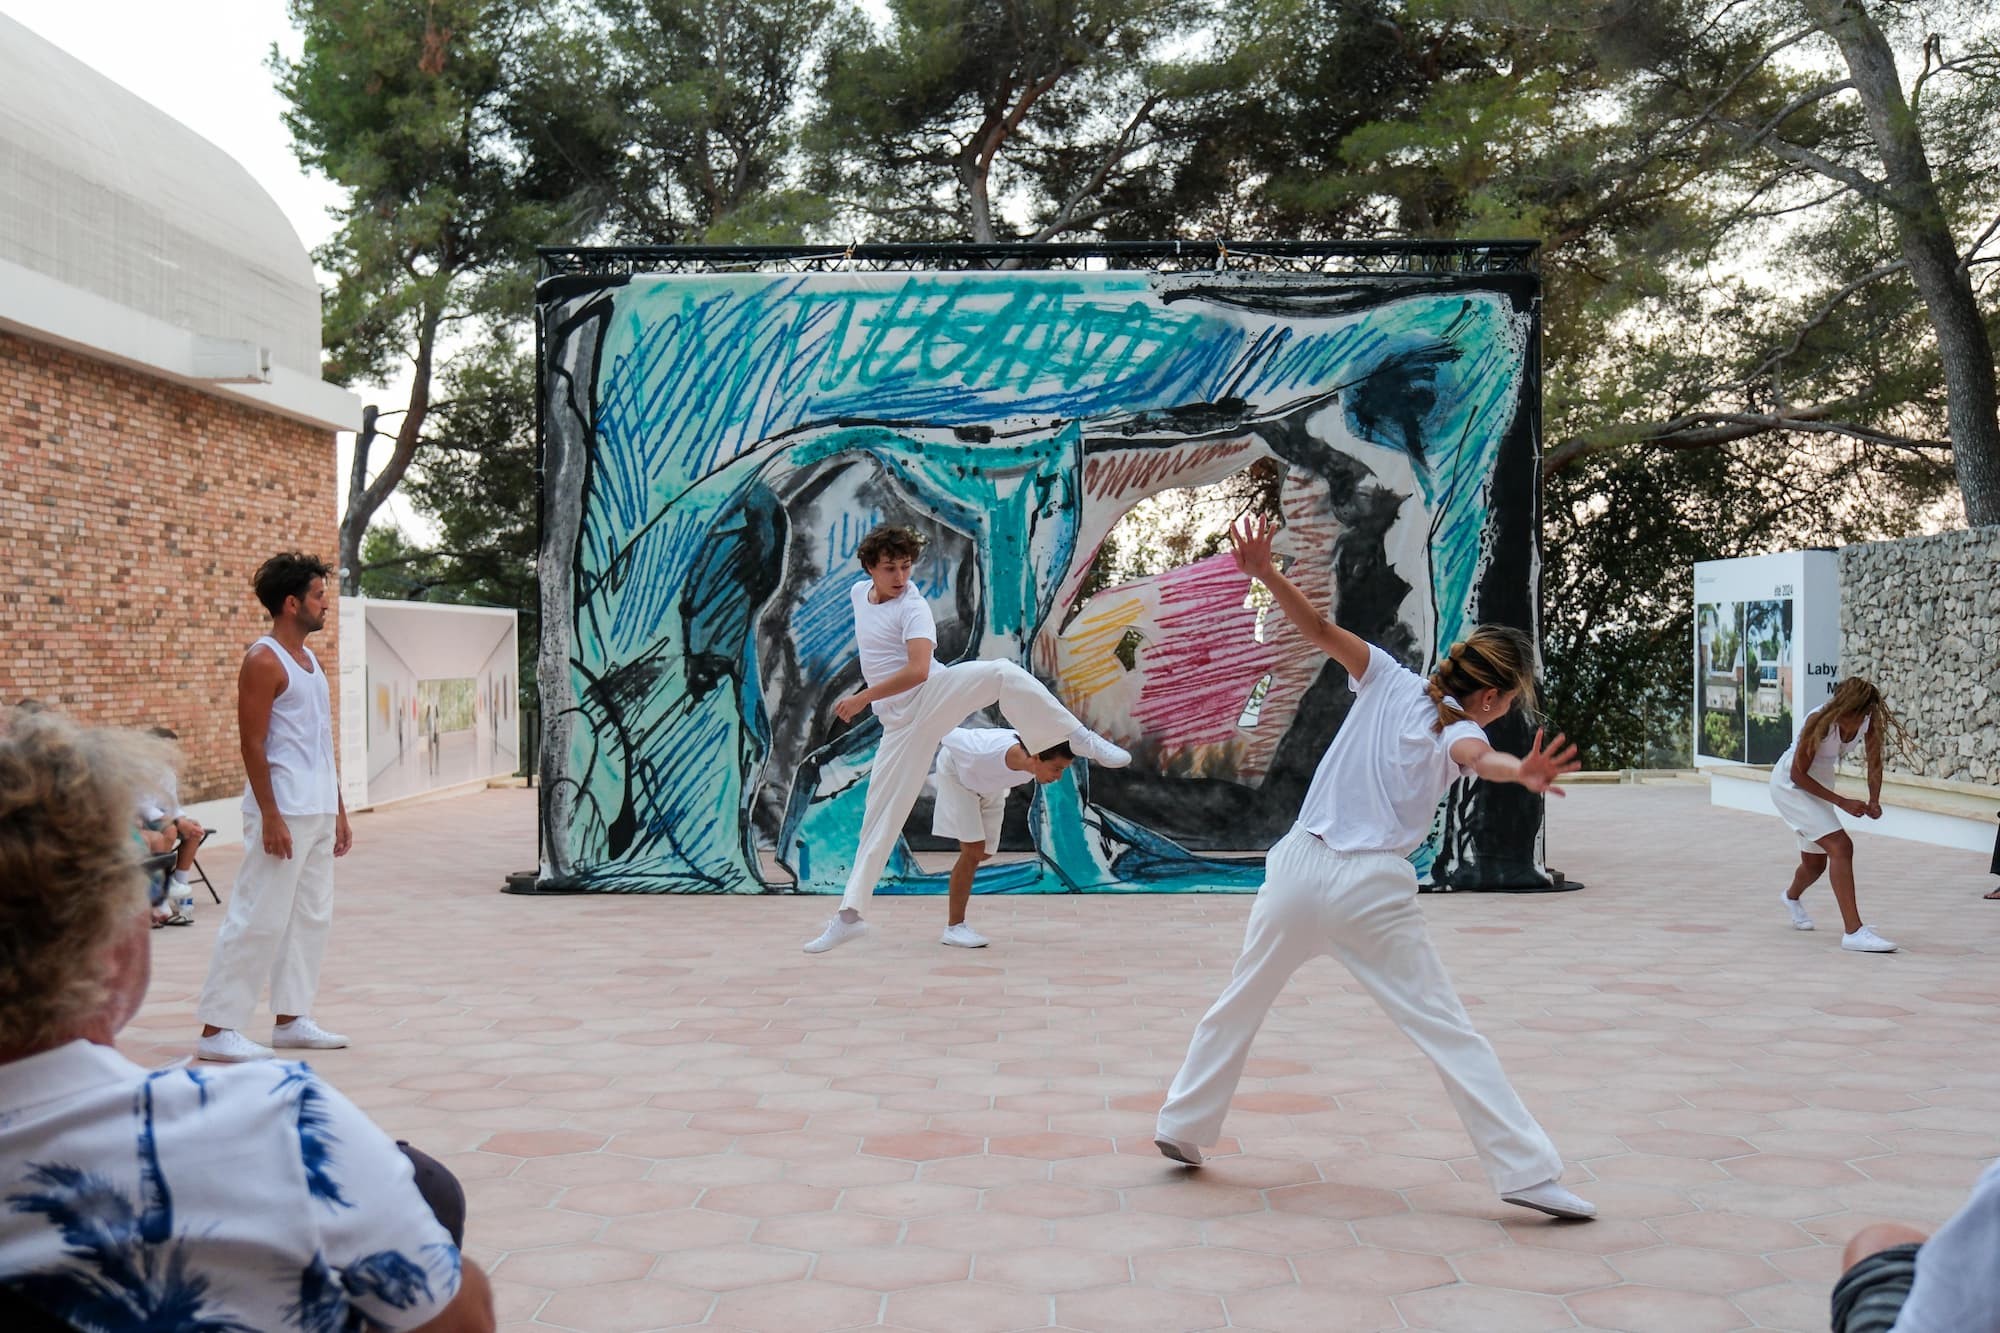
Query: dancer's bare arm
pixel 1537 770
pixel 1803 779
pixel 1874 809
pixel 1250 541
pixel 913 674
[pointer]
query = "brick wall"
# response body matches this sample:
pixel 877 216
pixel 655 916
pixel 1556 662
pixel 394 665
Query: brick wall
pixel 133 512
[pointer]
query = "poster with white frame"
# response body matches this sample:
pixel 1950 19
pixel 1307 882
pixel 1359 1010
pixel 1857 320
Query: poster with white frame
pixel 1766 652
pixel 429 701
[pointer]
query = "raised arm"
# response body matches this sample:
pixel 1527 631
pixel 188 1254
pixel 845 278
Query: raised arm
pixel 1250 541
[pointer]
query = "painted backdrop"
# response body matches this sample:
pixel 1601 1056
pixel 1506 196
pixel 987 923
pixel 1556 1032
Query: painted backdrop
pixel 715 446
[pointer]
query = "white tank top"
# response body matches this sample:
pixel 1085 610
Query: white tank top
pixel 299 742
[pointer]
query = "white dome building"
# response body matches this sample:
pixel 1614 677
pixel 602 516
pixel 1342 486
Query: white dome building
pixel 163 423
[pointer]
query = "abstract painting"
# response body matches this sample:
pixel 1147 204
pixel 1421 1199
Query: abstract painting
pixel 715 445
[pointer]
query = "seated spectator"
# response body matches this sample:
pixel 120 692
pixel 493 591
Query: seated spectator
pixel 156 858
pixel 1900 1281
pixel 246 1197
pixel 161 814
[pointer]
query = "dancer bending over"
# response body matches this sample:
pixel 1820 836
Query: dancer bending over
pixel 1341 883
pixel 919 700
pixel 975 771
pixel 1802 790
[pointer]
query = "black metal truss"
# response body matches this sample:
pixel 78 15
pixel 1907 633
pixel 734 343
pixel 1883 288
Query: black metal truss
pixel 1359 258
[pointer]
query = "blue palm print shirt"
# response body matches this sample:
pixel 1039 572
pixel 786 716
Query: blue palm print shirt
pixel 232 1199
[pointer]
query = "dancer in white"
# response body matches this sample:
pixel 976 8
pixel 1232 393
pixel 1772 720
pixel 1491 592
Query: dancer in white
pixel 294 825
pixel 1802 791
pixel 1341 883
pixel 976 768
pixel 919 700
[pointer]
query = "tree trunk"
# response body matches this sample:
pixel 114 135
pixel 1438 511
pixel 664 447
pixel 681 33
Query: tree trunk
pixel 351 532
pixel 972 175
pixel 1972 406
pixel 364 500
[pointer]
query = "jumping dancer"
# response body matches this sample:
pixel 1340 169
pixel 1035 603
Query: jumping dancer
pixel 1341 883
pixel 1802 790
pixel 919 700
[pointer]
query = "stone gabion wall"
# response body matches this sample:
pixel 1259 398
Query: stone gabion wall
pixel 1921 618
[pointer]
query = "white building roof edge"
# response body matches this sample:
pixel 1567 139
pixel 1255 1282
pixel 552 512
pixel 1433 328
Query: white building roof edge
pixel 44 309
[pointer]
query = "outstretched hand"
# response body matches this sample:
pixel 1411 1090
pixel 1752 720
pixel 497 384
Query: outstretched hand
pixel 1250 543
pixel 1540 767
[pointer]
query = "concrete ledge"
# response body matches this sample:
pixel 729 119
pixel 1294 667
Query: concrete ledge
pixel 1939 796
pixel 1961 815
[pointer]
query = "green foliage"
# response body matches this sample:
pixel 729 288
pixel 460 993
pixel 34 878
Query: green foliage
pixel 706 92
pixel 924 126
pixel 1770 737
pixel 455 128
pixel 1722 735
pixel 1735 359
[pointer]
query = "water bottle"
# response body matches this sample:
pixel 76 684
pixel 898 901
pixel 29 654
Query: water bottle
pixel 183 896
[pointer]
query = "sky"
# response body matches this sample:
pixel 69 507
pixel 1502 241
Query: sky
pixel 203 62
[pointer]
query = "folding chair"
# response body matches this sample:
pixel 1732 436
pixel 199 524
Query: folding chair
pixel 158 865
pixel 201 874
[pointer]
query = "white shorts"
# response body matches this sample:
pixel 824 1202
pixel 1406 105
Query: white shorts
pixel 963 814
pixel 1810 817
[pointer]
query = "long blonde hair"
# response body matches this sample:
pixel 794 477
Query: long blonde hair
pixel 1855 695
pixel 1492 657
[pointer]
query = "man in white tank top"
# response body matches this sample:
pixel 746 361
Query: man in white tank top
pixel 294 824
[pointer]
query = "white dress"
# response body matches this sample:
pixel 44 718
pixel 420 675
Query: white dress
pixel 1810 816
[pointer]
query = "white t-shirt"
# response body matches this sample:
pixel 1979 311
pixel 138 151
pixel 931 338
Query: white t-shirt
pixel 979 758
pixel 1957 1287
pixel 249 1196
pixel 1832 749
pixel 882 631
pixel 1379 783
pixel 163 801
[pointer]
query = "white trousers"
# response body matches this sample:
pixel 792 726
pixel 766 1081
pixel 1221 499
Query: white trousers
pixel 1362 909
pixel 903 759
pixel 276 926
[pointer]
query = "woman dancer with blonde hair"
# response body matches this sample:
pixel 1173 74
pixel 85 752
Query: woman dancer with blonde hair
pixel 1341 883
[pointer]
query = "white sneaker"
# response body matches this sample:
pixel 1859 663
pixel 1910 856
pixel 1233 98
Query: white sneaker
pixel 964 936
pixel 837 932
pixel 1185 1153
pixel 230 1047
pixel 1551 1198
pixel 302 1034
pixel 1800 921
pixel 1087 744
pixel 1865 940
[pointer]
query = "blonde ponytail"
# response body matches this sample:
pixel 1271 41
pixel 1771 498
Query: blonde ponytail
pixel 1495 657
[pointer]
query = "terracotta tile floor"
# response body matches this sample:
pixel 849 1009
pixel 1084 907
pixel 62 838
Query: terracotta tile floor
pixel 665 1115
